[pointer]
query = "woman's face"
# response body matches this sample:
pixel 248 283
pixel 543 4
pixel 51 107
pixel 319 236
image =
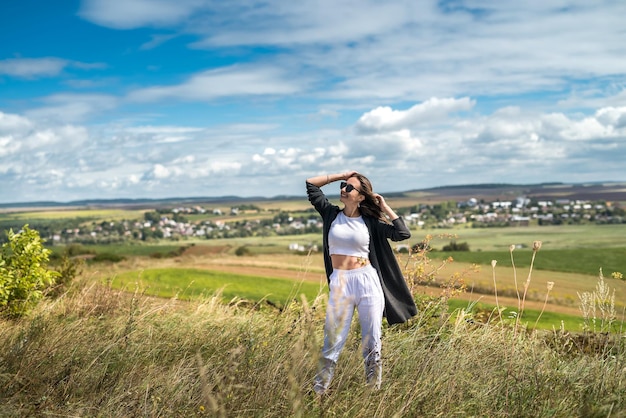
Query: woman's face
pixel 353 197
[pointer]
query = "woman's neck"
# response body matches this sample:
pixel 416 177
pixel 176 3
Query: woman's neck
pixel 351 212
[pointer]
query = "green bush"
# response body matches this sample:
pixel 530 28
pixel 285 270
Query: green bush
pixel 173 253
pixel 23 272
pixel 242 251
pixel 107 257
pixel 454 246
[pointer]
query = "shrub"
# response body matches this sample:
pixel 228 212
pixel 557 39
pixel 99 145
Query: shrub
pixel 68 268
pixel 74 250
pixel 454 246
pixel 107 257
pixel 241 251
pixel 23 272
pixel 173 253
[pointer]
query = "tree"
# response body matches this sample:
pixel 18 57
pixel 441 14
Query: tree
pixel 23 272
pixel 153 216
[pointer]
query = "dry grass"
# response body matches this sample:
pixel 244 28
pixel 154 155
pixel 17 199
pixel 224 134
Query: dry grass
pixel 98 352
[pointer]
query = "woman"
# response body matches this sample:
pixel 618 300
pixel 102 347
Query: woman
pixel 362 271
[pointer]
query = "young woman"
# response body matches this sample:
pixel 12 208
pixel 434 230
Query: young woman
pixel 362 271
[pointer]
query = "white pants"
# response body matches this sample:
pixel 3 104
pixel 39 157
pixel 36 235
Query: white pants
pixel 358 288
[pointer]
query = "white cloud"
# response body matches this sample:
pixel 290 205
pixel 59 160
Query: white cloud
pixel 224 167
pixel 431 111
pixel 388 52
pixel 511 144
pixel 313 157
pixel 223 82
pixel 393 144
pixel 303 22
pixel 20 135
pixel 397 51
pixel 612 116
pixel 13 123
pixel 278 160
pixel 156 40
pixel 70 107
pixel 507 145
pixel 32 67
pixel 409 50
pixel 164 134
pixel 8 146
pixel 161 172
pixel 428 92
pixel 186 159
pixel 606 123
pixel 130 14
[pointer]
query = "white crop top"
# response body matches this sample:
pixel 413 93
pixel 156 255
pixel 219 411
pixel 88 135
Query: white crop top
pixel 349 236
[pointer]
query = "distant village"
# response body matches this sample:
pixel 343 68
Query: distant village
pixel 246 221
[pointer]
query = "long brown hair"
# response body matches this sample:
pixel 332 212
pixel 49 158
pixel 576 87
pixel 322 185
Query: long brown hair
pixel 368 206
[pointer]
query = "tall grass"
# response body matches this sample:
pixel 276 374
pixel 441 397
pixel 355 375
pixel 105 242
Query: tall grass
pixel 100 352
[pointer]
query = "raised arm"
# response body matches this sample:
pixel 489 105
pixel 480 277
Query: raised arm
pixel 325 179
pixel 398 230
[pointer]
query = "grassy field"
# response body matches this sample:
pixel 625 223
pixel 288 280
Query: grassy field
pixel 195 284
pixel 577 260
pixel 204 269
pixel 184 283
pixel 571 257
pixel 99 352
pixel 109 347
pixel 574 270
pixel 553 237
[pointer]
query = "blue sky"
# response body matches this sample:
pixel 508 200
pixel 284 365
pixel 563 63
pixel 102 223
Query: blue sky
pixel 156 98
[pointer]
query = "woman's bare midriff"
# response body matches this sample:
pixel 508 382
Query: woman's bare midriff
pixel 348 262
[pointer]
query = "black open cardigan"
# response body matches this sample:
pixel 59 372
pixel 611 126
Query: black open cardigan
pixel 399 303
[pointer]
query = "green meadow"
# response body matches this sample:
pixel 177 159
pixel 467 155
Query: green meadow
pixel 572 254
pixel 166 333
pixel 196 284
pixel 185 283
pixel 576 260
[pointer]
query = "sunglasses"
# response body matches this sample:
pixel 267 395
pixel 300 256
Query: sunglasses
pixel 348 187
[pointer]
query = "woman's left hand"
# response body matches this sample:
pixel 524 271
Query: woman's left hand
pixel 380 201
pixel 385 207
